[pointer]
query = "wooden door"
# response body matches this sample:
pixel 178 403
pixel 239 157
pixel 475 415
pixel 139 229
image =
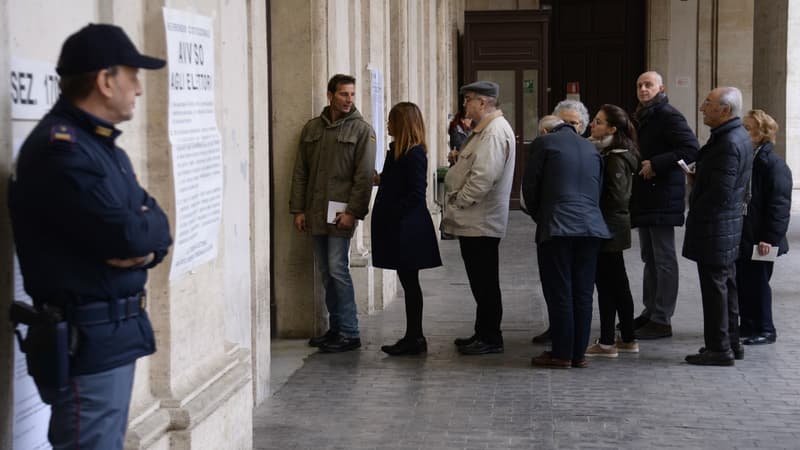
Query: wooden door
pixel 601 45
pixel 510 48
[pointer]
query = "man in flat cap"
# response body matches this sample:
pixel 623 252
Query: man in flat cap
pixel 86 233
pixel 478 190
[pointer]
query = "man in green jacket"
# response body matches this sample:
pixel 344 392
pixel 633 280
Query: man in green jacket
pixel 331 189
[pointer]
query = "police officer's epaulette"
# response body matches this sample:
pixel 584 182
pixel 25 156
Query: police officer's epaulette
pixel 62 133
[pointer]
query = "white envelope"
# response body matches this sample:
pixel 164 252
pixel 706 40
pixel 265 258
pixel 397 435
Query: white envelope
pixel 335 208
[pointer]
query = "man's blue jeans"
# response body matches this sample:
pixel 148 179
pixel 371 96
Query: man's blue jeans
pixel 332 257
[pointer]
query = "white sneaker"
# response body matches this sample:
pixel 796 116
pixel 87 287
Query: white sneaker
pixel 627 347
pixel 598 349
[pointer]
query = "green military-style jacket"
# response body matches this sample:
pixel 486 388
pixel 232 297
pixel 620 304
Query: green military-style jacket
pixel 335 162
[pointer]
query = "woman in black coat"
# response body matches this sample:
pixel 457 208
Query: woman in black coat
pixel 764 227
pixel 403 237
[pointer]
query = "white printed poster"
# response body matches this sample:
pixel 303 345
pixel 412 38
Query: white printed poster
pixel 195 140
pixel 34 90
pixel 378 122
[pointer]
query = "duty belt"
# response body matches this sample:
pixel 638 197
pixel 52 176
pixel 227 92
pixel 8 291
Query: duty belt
pixel 104 312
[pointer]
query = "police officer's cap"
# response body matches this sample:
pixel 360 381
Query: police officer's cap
pixel 100 46
pixel 487 88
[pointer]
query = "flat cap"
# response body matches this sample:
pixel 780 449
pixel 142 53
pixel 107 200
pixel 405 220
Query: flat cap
pixel 100 46
pixel 487 88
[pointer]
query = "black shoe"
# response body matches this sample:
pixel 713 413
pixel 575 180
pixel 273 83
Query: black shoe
pixel 738 351
pixel 460 342
pixel 760 339
pixel 340 344
pixel 543 338
pixel 711 358
pixel 319 340
pixel 653 330
pixel 638 322
pixel 480 348
pixel 407 346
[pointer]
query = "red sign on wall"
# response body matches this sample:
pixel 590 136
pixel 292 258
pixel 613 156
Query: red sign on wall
pixel 573 87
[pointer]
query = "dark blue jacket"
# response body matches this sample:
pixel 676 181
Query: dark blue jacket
pixel 717 200
pixel 664 138
pixel 403 236
pixel 75 203
pixel 770 204
pixel 562 184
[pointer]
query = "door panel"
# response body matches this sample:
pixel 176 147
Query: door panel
pixel 601 46
pixel 510 48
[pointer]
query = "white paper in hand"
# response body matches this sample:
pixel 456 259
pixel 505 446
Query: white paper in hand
pixel 771 256
pixel 688 168
pixel 335 208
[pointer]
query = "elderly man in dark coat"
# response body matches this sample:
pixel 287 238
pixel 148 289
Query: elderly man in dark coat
pixel 657 201
pixel 714 224
pixel 561 186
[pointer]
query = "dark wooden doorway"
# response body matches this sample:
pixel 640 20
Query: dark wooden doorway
pixel 601 45
pixel 511 49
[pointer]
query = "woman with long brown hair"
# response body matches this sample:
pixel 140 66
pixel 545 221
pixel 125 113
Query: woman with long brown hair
pixel 403 237
pixel 614 136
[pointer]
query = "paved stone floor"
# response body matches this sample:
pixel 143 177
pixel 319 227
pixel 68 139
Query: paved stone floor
pixel 367 400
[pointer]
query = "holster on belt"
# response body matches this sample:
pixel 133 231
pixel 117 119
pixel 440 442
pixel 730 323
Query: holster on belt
pixel 46 344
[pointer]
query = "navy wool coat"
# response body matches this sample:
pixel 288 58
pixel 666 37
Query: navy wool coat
pixel 562 185
pixel 716 204
pixel 770 204
pixel 403 236
pixel 664 138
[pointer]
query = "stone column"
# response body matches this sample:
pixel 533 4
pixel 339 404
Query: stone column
pixel 6 248
pixel 299 49
pixel 770 32
pixel 792 122
pixel 725 51
pixel 259 171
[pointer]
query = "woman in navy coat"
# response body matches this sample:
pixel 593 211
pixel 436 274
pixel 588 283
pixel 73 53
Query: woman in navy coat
pixel 403 237
pixel 765 226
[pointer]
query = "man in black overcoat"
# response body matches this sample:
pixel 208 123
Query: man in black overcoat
pixel 714 223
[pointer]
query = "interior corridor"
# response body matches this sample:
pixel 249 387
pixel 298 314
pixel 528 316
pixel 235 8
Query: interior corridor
pixel 368 400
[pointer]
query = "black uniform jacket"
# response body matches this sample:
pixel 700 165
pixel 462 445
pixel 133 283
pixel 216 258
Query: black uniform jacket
pixel 75 202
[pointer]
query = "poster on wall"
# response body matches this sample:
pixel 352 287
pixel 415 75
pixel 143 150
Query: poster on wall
pixel 378 122
pixel 195 140
pixel 34 90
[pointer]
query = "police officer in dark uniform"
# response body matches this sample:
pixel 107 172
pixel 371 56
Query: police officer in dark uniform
pixel 86 233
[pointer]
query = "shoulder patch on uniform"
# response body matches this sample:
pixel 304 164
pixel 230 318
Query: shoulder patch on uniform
pixel 62 133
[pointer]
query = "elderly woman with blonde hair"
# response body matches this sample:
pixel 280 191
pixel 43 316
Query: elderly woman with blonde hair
pixel 764 230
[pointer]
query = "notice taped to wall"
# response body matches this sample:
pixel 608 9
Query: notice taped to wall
pixel 195 140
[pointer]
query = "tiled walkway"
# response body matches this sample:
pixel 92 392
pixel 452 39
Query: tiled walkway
pixel 367 400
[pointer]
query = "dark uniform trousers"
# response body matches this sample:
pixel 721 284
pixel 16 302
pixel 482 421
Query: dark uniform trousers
pixel 482 262
pixel 720 306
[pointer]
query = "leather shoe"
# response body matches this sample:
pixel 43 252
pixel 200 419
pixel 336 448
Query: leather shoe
pixel 638 322
pixel 546 360
pixel 653 330
pixel 580 363
pixel 340 344
pixel 738 351
pixel 480 348
pixel 407 346
pixel 319 340
pixel 460 342
pixel 760 339
pixel 711 358
pixel 543 338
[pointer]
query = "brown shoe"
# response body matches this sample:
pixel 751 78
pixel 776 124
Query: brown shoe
pixel 580 363
pixel 546 360
pixel 653 330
